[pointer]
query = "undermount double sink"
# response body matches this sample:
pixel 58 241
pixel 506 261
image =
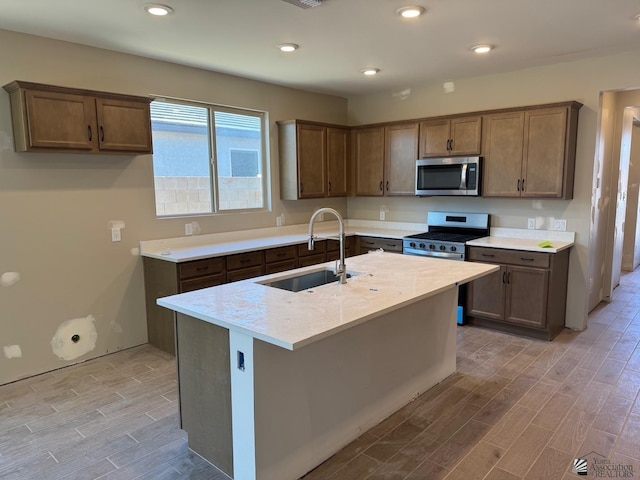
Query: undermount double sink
pixel 306 281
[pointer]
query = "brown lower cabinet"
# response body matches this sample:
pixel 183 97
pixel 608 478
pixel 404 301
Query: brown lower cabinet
pixel 526 296
pixel 367 244
pixel 163 278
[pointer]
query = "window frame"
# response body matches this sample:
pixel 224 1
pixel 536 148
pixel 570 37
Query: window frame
pixel 264 160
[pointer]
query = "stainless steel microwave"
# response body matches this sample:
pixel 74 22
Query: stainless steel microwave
pixel 448 176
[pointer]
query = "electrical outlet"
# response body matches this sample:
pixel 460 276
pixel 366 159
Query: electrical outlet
pixel 531 224
pixel 188 229
pixel 321 217
pixel 382 214
pixel 116 235
pixel 560 225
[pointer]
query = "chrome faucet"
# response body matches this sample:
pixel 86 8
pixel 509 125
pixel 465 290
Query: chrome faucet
pixel 342 269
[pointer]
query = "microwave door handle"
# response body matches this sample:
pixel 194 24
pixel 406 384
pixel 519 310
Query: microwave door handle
pixel 463 177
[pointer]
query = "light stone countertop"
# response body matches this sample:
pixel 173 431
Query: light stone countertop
pixel 385 282
pixel 183 249
pixel 526 240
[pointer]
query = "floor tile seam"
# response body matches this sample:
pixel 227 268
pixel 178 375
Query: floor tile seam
pixel 166 459
pixel 67 421
pixel 622 429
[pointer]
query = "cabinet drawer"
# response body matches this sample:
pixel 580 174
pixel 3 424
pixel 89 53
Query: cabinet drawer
pixel 334 245
pixel 244 260
pixel 374 243
pixel 280 254
pixel 512 257
pixel 198 268
pixel 283 266
pixel 311 260
pixel 245 273
pixel 201 282
pixel 335 255
pixel 319 247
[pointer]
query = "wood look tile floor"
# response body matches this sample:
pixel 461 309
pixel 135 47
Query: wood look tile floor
pixel 516 409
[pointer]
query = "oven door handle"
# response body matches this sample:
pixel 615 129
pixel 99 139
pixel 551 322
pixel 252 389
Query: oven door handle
pixel 463 177
pixel 422 253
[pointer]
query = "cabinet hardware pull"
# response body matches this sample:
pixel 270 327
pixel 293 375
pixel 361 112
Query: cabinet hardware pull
pixel 523 184
pixel 381 189
pixel 509 278
pixel 488 255
pixel 201 269
pixel 451 144
pixel 504 277
pixel 387 185
pixel 101 133
pixel 329 186
pixel 526 259
pixel 301 187
pixel 90 133
pixel 518 184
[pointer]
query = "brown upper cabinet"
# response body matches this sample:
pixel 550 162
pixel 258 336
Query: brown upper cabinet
pixel 531 152
pixel 369 160
pixel 313 160
pixel 55 119
pixel 386 159
pixel 401 152
pixel 443 137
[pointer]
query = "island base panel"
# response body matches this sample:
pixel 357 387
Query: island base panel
pixel 205 389
pixel 309 403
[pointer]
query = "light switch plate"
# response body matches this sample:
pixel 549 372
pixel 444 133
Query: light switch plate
pixel 531 224
pixel 188 229
pixel 116 234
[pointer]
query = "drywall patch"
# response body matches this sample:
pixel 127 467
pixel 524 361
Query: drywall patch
pixel 12 351
pixel 116 327
pixel 75 338
pixel 9 278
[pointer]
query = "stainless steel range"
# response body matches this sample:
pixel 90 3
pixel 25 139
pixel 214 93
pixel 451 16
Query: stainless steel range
pixel 447 235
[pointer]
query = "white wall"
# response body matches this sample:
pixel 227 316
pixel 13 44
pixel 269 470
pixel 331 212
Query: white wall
pixel 581 80
pixel 55 208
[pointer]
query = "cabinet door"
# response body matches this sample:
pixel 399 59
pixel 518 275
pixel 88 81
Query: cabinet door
pixel 61 120
pixel 485 296
pixel 465 136
pixel 401 143
pixel 124 126
pixel 337 161
pixel 312 179
pixel 369 153
pixel 502 150
pixel 434 138
pixel 527 290
pixel 543 165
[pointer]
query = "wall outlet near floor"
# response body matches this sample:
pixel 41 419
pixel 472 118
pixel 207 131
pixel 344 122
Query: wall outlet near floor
pixel 188 229
pixel 560 225
pixel 531 224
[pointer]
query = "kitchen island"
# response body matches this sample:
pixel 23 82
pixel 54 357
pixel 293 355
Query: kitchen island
pixel 274 382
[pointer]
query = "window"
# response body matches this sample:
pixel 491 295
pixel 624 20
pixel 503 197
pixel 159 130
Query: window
pixel 189 178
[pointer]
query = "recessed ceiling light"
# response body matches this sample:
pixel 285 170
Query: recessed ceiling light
pixel 158 9
pixel 482 48
pixel 288 47
pixel 371 71
pixel 411 12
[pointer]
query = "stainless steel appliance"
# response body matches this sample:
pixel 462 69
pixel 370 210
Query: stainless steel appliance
pixel 446 238
pixel 447 234
pixel 448 176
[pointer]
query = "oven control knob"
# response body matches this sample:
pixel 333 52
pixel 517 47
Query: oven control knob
pixel 422 245
pixel 453 248
pixel 432 247
pixel 442 247
pixel 412 244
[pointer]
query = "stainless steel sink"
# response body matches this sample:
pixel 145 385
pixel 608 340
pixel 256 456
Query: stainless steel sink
pixel 306 281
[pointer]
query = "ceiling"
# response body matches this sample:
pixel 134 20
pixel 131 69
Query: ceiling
pixel 339 38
